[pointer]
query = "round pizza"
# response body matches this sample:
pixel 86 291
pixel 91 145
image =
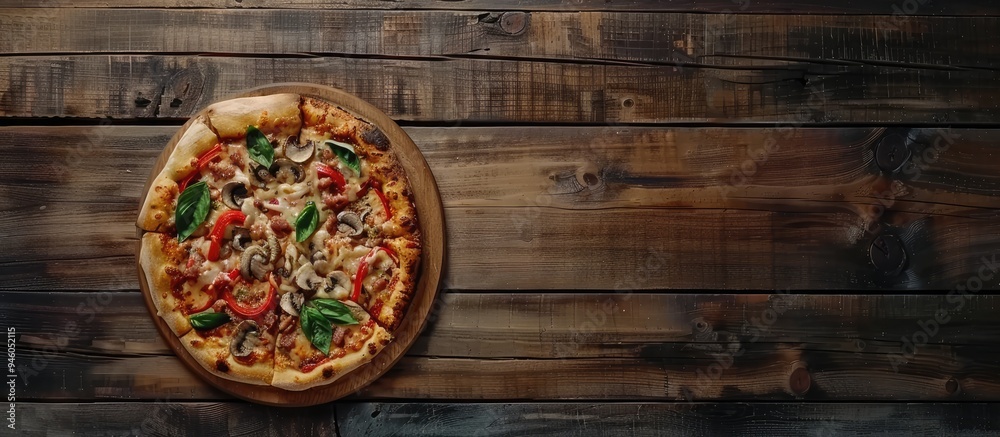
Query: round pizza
pixel 282 242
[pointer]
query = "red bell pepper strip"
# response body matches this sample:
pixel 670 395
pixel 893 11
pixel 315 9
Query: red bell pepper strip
pixel 252 312
pixel 381 198
pixel 325 171
pixel 363 269
pixel 214 292
pixel 203 161
pixel 227 218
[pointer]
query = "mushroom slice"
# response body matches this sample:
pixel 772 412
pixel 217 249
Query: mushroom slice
pixel 286 171
pixel 299 152
pixel 233 195
pixel 253 263
pixel 261 176
pixel 273 250
pixel 350 224
pixel 340 279
pixel 292 302
pixel 359 313
pixel 306 278
pixel 246 339
pixel 337 286
pixel 241 238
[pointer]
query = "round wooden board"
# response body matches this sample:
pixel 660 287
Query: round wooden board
pixel 431 218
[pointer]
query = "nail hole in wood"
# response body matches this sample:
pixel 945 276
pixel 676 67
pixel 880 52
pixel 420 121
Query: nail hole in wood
pixel 628 103
pixel 952 386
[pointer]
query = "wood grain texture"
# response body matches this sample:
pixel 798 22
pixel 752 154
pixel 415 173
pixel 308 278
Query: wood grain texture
pixel 658 419
pixel 761 372
pixel 656 208
pixel 877 7
pixel 92 346
pixel 497 325
pixel 169 418
pixel 479 90
pixel 375 419
pixel 705 39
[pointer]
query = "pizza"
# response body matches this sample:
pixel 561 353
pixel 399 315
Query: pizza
pixel 281 241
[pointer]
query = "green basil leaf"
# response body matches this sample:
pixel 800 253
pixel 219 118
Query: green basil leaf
pixel 259 147
pixel 307 222
pixel 335 311
pixel 346 154
pixel 192 209
pixel 316 327
pixel 206 320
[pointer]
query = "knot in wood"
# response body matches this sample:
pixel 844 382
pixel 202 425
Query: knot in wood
pixel 514 23
pixel 952 386
pixel 799 381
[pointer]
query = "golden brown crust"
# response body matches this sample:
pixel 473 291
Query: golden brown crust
pixel 402 286
pixel 212 350
pixel 288 377
pixel 157 213
pixel 156 254
pixel 274 115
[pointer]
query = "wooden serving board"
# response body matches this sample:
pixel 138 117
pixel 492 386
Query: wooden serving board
pixel 431 219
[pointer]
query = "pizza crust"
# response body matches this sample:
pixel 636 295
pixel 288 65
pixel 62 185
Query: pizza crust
pixel 403 283
pixel 157 212
pixel 153 262
pixel 296 380
pixel 275 114
pixel 213 354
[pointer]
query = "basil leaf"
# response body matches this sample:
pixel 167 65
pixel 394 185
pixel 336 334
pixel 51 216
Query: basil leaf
pixel 192 209
pixel 335 311
pixel 346 154
pixel 316 328
pixel 203 321
pixel 259 147
pixel 307 222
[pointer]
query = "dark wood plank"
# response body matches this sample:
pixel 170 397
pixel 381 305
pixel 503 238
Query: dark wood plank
pixel 568 325
pixel 877 7
pixel 91 346
pixel 710 39
pixel 169 418
pixel 658 419
pixel 818 194
pixel 510 419
pixel 480 90
pixel 761 372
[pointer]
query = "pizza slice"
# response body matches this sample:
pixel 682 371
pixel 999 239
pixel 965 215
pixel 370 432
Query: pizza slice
pixel 235 338
pixel 232 152
pixel 321 340
pixel 223 310
pixel 181 281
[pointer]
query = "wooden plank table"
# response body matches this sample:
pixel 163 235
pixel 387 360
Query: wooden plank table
pixel 664 218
